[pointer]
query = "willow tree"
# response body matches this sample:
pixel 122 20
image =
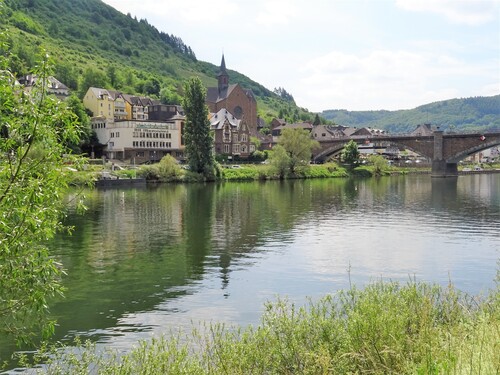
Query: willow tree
pixel 34 131
pixel 198 138
pixel 298 145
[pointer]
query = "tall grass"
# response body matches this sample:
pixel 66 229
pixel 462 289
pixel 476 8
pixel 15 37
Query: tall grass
pixel 385 328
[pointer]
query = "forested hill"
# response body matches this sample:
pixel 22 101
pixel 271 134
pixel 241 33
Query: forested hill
pixel 478 113
pixel 93 44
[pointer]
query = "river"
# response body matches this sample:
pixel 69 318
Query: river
pixel 143 261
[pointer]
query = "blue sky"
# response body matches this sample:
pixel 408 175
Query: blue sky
pixel 331 54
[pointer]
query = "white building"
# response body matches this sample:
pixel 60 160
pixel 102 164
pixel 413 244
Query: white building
pixel 139 141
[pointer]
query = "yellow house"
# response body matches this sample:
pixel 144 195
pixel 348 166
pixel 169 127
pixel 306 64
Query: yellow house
pixel 100 103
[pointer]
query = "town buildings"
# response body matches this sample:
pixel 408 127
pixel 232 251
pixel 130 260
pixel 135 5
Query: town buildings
pixel 135 129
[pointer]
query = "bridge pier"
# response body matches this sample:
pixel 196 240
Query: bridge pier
pixel 441 168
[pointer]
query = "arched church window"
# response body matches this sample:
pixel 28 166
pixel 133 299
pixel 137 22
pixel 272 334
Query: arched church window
pixel 238 111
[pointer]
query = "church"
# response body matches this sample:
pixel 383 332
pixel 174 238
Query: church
pixel 239 102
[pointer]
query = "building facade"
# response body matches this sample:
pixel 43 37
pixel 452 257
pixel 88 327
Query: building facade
pixel 240 102
pixel 140 141
pixel 100 102
pixel 231 135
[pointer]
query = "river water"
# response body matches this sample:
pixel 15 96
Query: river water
pixel 144 261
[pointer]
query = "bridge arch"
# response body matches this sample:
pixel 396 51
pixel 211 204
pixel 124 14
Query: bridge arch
pixel 486 144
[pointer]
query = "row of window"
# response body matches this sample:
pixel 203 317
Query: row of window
pixel 99 125
pixel 237 149
pixel 152 144
pixel 151 135
pixel 227 137
pixel 115 134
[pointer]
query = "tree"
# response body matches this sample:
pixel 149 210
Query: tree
pixel 279 160
pixel 76 106
pixel 317 120
pixel 169 95
pixel 350 153
pixel 299 145
pixel 197 136
pixel 379 164
pixel 34 131
pixel 91 78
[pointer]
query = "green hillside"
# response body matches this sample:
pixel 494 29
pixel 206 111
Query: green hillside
pixel 478 113
pixel 95 45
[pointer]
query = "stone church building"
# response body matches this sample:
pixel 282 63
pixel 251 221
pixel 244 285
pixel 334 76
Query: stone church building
pixel 239 102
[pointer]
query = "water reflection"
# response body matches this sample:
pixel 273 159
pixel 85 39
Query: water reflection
pixel 141 261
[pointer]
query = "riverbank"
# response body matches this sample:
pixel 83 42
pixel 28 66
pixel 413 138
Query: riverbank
pixel 388 327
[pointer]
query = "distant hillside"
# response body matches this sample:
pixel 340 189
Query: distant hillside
pixel 95 45
pixel 478 113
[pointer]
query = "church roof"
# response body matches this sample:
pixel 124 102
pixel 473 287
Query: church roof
pixel 214 96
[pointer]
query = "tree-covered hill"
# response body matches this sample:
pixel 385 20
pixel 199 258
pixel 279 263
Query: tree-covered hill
pixel 93 44
pixel 478 113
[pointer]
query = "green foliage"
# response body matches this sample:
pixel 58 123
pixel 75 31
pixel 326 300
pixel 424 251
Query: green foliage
pixel 35 132
pixel 379 163
pixel 167 170
pixel 197 136
pixel 280 161
pixel 298 145
pixel 350 153
pixel 386 328
pixel 76 106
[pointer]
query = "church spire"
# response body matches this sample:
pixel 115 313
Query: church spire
pixel 223 77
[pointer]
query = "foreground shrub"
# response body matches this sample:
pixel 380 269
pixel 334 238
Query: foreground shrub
pixel 387 328
pixel 167 170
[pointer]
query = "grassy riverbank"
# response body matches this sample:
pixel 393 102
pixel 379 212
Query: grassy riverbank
pixel 386 328
pixel 168 170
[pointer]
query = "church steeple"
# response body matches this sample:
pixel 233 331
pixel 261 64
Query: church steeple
pixel 223 77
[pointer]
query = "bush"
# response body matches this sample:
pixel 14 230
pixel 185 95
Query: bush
pixel 387 328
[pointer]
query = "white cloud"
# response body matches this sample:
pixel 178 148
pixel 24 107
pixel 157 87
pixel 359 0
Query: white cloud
pixel 405 79
pixel 469 12
pixel 276 12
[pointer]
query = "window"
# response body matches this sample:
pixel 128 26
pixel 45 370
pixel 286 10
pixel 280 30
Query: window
pixel 252 148
pixel 236 149
pixel 226 148
pixel 244 138
pixel 235 137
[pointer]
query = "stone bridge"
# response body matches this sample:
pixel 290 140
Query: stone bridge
pixel 445 150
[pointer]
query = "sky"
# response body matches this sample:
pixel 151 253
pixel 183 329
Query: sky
pixel 343 54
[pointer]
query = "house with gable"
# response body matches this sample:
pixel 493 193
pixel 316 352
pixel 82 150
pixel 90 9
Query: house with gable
pixel 241 103
pixel 53 85
pixel 231 135
pixel 100 102
pixel 137 107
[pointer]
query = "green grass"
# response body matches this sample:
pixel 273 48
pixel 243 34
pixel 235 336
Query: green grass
pixel 385 328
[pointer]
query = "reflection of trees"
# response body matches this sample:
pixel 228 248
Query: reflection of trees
pixel 134 249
